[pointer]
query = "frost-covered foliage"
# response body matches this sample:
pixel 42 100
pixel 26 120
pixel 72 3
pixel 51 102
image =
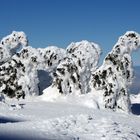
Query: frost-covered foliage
pixel 73 73
pixel 10 44
pixel 51 57
pixel 66 77
pixel 10 74
pixel 19 68
pixel 45 59
pixel 14 40
pixel 116 74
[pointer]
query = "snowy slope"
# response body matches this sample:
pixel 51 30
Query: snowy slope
pixel 39 120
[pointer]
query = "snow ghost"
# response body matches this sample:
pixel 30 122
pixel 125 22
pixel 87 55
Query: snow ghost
pixel 10 44
pixel 116 73
pixel 19 67
pixel 73 73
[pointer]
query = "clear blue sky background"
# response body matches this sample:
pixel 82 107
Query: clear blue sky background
pixel 59 22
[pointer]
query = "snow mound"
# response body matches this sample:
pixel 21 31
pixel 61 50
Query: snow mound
pixel 116 73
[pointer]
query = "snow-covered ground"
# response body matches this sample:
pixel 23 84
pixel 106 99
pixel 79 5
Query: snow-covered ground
pixel 59 120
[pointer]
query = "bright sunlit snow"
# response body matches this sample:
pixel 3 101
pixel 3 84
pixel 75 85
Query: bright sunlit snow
pixel 56 94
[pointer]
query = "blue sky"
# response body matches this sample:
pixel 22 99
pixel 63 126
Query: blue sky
pixel 59 22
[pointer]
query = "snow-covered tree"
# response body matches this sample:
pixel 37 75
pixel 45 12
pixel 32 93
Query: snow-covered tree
pixel 20 64
pixel 10 67
pixel 116 74
pixel 10 44
pixel 33 59
pixel 73 73
pixel 10 73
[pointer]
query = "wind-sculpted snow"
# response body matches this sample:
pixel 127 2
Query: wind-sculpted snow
pixel 73 73
pixel 116 74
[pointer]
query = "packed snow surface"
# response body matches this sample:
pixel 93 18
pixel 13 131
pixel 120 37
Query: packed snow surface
pixel 60 120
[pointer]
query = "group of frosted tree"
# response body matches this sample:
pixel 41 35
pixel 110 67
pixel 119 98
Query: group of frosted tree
pixel 74 70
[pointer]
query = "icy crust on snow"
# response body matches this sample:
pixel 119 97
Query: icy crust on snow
pixel 73 73
pixel 116 73
pixel 10 44
pixel 19 68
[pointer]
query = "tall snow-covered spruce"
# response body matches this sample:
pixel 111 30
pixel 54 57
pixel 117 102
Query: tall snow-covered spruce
pixel 113 78
pixel 73 73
